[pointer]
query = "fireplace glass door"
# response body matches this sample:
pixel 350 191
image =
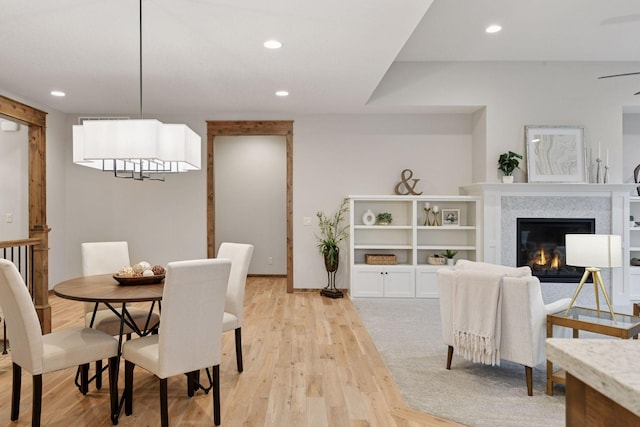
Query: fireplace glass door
pixel 541 246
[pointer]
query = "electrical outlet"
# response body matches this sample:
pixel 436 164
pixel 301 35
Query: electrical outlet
pixel 9 218
pixel 270 260
pixel 307 220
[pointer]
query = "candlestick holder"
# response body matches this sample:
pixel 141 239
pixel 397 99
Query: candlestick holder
pixel 598 172
pixel 606 174
pixel 431 217
pixel 436 211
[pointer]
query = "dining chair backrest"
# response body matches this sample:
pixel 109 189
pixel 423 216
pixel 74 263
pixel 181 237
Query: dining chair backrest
pixel 103 258
pixel 192 310
pixel 240 255
pixel 24 332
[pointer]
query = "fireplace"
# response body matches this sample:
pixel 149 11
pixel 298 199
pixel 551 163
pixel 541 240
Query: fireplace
pixel 541 246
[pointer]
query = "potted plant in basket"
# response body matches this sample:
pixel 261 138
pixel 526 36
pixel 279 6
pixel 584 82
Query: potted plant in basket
pixel 507 163
pixel 332 232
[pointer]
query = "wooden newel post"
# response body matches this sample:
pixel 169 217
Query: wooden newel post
pixel 38 227
pixel 41 277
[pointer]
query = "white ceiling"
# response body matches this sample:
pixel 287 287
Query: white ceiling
pixel 206 56
pixel 533 30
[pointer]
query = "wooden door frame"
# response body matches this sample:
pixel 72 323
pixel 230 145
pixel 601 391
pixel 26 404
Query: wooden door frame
pixel 249 128
pixel 38 228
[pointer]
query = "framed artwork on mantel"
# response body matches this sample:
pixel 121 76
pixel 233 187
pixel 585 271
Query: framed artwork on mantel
pixel 555 153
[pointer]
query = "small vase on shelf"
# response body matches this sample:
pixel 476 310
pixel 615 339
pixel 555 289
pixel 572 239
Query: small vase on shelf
pixel 369 218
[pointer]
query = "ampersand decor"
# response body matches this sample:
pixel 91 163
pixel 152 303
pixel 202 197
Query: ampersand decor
pixel 406 176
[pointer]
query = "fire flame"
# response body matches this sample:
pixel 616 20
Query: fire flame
pixel 542 260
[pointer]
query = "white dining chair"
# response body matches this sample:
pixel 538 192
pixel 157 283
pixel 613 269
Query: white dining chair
pixel 240 255
pixel 39 354
pixel 190 338
pixel 108 258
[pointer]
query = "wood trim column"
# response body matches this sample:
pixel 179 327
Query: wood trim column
pixel 38 228
pixel 290 210
pixel 211 201
pixel 38 223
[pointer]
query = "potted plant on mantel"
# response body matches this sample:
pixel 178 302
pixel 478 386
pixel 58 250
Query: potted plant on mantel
pixel 332 232
pixel 507 163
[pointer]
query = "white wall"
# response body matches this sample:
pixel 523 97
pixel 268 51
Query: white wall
pixel 337 156
pixel 58 137
pixel 479 146
pixel 334 156
pixel 251 198
pixel 14 180
pixel 631 134
pixel 518 94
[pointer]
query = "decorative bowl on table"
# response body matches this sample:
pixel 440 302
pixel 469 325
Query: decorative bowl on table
pixel 140 274
pixel 139 280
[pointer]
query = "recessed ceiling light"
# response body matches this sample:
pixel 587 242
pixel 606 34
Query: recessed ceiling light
pixel 272 44
pixel 57 93
pixel 493 29
pixel 282 93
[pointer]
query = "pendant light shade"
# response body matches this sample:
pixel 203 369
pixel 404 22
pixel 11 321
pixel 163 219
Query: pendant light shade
pixel 138 149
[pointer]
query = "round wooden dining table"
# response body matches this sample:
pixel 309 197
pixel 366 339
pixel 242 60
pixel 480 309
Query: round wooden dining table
pixel 103 288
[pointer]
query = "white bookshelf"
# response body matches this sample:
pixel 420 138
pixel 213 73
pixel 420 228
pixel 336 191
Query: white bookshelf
pixel 410 240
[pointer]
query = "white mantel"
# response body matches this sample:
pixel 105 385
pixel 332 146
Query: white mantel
pixel 502 203
pixel 560 189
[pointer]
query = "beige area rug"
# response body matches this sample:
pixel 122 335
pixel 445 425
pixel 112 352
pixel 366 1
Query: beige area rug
pixel 408 335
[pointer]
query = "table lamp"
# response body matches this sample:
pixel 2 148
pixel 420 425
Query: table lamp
pixel 593 251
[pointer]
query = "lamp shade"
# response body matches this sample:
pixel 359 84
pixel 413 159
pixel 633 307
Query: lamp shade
pixel 593 250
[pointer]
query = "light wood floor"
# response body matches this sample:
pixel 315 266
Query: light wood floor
pixel 308 361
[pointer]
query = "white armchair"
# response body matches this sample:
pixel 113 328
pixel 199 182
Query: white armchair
pixel 522 318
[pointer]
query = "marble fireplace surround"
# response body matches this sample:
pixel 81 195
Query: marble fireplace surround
pixel 502 204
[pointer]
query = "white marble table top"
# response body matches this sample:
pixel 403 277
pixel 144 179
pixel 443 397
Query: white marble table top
pixel 610 366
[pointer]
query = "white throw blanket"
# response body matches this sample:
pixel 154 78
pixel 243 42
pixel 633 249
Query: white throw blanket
pixel 477 306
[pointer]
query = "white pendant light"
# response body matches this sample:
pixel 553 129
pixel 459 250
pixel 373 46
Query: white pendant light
pixel 138 149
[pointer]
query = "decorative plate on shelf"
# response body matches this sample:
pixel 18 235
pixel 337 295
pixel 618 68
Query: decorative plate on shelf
pixel 139 280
